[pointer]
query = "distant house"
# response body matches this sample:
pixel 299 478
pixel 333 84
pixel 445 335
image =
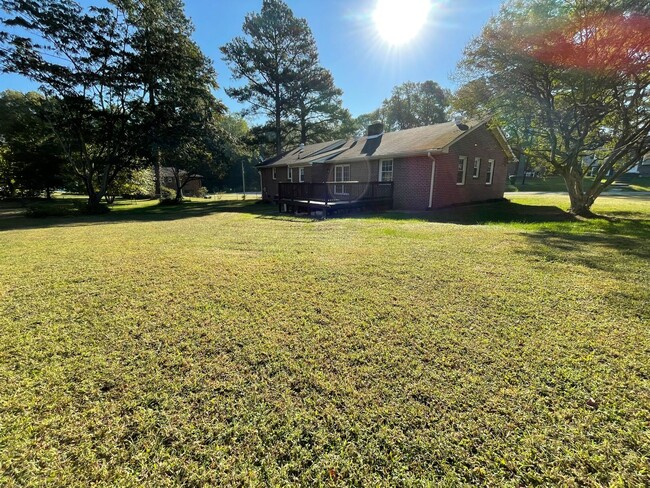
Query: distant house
pixel 192 187
pixel 415 169
pixel 643 168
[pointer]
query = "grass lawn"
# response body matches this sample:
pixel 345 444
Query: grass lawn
pixel 548 183
pixel 641 184
pixel 556 183
pixel 221 344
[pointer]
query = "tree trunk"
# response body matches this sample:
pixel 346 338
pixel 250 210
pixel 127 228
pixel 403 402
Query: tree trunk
pixel 278 121
pixel 179 189
pixel 94 204
pixel 580 201
pixel 156 172
pixel 94 198
pixel 278 133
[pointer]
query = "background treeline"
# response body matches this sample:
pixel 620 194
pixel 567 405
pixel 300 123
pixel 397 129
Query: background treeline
pixel 124 91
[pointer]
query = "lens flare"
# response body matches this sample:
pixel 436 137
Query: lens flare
pixel 400 21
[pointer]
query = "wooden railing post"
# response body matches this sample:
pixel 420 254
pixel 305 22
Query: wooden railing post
pixel 327 195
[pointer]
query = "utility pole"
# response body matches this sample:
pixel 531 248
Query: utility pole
pixel 243 180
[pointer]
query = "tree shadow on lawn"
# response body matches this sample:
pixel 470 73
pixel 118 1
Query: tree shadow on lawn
pixel 606 251
pixel 555 235
pixel 499 212
pixel 10 219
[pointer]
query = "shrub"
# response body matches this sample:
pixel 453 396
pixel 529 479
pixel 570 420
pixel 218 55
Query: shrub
pixel 167 193
pixel 41 211
pixel 86 209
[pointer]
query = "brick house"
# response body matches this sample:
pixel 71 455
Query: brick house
pixel 415 169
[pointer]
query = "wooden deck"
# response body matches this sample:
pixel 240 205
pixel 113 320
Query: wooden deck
pixel 334 197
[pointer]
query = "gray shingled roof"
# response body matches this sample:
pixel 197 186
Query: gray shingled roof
pixel 419 140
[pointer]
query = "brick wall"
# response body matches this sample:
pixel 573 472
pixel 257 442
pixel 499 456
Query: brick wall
pixel 412 183
pixel 480 143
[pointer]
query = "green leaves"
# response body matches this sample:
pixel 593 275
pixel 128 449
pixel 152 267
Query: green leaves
pixel 278 61
pixel 569 79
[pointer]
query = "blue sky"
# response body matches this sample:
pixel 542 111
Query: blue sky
pixel 363 65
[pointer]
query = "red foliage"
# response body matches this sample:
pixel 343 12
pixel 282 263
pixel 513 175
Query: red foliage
pixel 605 43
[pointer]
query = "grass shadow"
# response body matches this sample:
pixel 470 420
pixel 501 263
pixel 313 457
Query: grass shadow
pixel 502 211
pixel 12 217
pixel 609 252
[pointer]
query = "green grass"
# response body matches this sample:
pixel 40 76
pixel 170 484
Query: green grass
pixel 641 184
pixel 548 183
pixel 556 184
pixel 218 344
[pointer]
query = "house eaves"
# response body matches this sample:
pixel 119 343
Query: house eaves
pixel 403 154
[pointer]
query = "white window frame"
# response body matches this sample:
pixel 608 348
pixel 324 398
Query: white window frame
pixel 381 169
pixel 462 159
pixel 301 174
pixel 490 172
pixel 338 183
pixel 477 168
pixel 289 175
pixel 274 173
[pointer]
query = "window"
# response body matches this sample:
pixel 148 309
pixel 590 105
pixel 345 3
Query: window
pixel 301 175
pixel 386 170
pixel 289 178
pixel 275 173
pixel 490 172
pixel 341 173
pixel 462 169
pixel 477 168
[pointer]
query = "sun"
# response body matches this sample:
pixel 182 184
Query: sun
pixel 399 21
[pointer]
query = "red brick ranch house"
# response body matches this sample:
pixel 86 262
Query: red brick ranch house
pixel 415 169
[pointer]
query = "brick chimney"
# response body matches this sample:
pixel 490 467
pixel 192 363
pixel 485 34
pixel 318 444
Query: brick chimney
pixel 375 129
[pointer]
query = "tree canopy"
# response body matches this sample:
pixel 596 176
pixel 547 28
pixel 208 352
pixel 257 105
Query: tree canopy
pixel 415 105
pixel 129 83
pixel 31 158
pixel 410 105
pixel 277 59
pixel 575 76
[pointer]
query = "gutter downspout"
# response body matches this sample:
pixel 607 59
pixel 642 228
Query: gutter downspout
pixel 433 178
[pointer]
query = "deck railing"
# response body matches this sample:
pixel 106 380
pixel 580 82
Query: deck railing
pixel 335 192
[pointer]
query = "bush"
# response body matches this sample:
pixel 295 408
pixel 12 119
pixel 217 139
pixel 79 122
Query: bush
pixel 86 209
pixel 202 192
pixel 41 211
pixel 170 202
pixel 167 193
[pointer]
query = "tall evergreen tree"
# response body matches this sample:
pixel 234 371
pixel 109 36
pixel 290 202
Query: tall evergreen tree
pixel 273 57
pixel 319 114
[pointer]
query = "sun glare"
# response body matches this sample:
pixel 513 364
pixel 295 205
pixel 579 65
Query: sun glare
pixel 399 21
